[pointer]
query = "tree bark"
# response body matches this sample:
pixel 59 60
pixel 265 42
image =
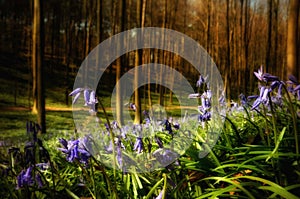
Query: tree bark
pixel 292 38
pixel 37 64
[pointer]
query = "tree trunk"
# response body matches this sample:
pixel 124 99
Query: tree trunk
pixel 37 64
pixel 269 42
pixel 227 68
pixel 140 16
pixel 292 38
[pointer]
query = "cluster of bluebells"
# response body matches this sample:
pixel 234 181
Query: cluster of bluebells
pixel 75 150
pixel 27 178
pixel 294 86
pixel 268 84
pixel 34 151
pixel 204 109
pixel 169 125
pixel 89 95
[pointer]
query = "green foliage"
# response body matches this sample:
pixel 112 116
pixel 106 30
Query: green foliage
pixel 254 157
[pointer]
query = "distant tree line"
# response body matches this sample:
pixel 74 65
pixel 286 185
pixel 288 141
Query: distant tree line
pixel 240 35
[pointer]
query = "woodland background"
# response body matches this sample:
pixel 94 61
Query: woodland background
pixel 46 41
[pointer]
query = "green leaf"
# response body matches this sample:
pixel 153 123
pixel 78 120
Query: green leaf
pixel 277 144
pixel 154 188
pixel 272 187
pixel 73 195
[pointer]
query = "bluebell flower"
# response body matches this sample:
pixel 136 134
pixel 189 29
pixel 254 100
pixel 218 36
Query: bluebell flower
pixel 138 146
pixel 165 156
pixel 270 78
pixel 194 95
pixel 205 102
pixel 160 195
pixel 25 178
pixel 243 99
pixel 146 114
pixel 265 77
pixel 168 127
pixel 262 98
pixel 206 116
pixel 294 87
pixel 132 106
pixel 176 125
pixel 72 150
pixel 43 166
pixel 259 73
pixel 147 121
pixel 86 95
pixel 222 100
pixel 201 81
pixel 38 180
pixel 114 125
pixel 75 91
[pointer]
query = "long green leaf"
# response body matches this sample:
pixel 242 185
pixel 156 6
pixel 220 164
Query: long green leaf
pixel 154 188
pixel 272 187
pixel 230 181
pixel 73 195
pixel 277 144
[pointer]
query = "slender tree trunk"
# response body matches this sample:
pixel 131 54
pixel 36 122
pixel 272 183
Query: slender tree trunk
pixel 269 42
pixel 119 62
pixel 227 68
pixel 292 31
pixel 37 64
pixel 141 5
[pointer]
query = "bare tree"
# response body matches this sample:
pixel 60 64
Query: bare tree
pixel 37 64
pixel 292 38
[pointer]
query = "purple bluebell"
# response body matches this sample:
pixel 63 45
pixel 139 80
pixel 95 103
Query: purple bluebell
pixel 243 99
pixel 270 78
pixel 206 116
pixel 138 146
pixel 168 127
pixel 259 73
pixel 38 180
pixel 25 178
pixel 222 100
pixel 205 103
pixel 75 91
pixel 106 126
pixel 294 87
pixel 194 95
pixel 114 125
pixel 43 166
pixel 165 156
pixel 176 125
pixel 132 106
pixel 72 151
pixel 147 121
pixel 76 97
pixel 201 81
pixel 265 77
pixel 160 195
pixel 86 95
pixel 262 98
pixel 146 114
